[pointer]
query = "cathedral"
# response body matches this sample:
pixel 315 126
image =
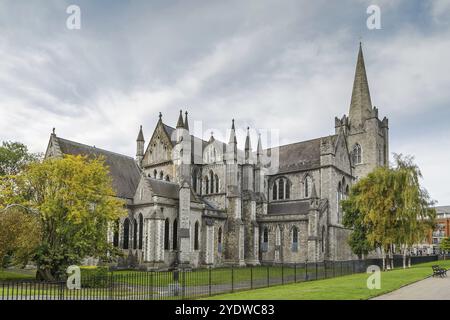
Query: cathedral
pixel 194 203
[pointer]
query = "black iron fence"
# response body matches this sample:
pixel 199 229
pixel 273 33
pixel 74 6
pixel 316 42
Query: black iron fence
pixel 186 284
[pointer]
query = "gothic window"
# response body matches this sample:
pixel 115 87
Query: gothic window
pixel 307 186
pixel 196 240
pixel 339 198
pixel 216 180
pixel 265 242
pixel 135 233
pixel 167 178
pixel 294 239
pixel 211 177
pixel 155 173
pixel 126 233
pixel 206 185
pixel 357 154
pixel 116 234
pixel 141 230
pixel 281 189
pixel 175 235
pixel 275 191
pixel 219 240
pixel 194 179
pixel 161 175
pixel 166 234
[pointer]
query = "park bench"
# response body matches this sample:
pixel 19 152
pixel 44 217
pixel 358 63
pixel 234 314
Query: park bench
pixel 438 271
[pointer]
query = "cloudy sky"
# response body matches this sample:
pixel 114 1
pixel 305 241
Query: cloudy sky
pixel 285 65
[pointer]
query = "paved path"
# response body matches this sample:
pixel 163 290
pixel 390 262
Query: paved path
pixel 428 289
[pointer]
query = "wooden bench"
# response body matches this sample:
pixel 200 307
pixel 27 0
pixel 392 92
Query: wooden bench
pixel 438 271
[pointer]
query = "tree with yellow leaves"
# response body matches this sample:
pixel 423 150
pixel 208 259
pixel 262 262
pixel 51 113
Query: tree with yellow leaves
pixel 74 203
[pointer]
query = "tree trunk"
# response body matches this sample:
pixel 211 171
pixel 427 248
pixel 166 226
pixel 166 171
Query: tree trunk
pixel 383 254
pixel 44 274
pixel 404 257
pixel 391 252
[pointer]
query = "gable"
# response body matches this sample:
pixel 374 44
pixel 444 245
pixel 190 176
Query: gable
pixel 160 147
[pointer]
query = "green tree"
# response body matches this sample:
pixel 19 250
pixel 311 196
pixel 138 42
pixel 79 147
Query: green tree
pixel 14 156
pixel 19 235
pixel 388 208
pixel 75 203
pixel 445 246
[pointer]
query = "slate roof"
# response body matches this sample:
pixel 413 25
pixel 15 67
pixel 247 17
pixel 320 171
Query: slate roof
pixel 294 207
pixel 123 169
pixel 167 189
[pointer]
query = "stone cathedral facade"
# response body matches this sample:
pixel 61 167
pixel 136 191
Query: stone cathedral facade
pixel 194 203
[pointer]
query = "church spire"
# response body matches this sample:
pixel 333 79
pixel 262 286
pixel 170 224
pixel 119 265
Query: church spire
pixel 259 150
pixel 232 145
pixel 186 123
pixel 232 133
pixel 247 145
pixel 140 136
pixel 180 123
pixel 360 105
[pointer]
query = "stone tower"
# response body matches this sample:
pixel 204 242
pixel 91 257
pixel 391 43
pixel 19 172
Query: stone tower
pixel 367 135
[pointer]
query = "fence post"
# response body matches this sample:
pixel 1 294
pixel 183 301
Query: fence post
pixel 306 270
pixel 334 269
pixel 209 275
pixel 110 284
pixel 268 282
pixel 317 269
pixel 151 284
pixel 251 277
pixel 295 272
pixel 232 279
pixel 61 290
pixel 282 273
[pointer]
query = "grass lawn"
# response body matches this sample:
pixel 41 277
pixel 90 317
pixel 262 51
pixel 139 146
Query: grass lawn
pixel 16 274
pixel 352 287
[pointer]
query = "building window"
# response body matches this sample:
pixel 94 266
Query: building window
pixel 166 234
pixel 216 178
pixel 175 235
pixel 141 230
pixel 357 154
pixel 196 242
pixel 167 178
pixel 219 240
pixel 307 183
pixel 294 239
pixel 206 185
pixel 211 177
pixel 161 175
pixel 265 242
pixel 155 173
pixel 135 233
pixel 116 234
pixel 281 189
pixel 126 233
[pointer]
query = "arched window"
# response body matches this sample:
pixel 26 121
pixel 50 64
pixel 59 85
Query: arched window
pixel 294 239
pixel 265 242
pixel 219 240
pixel 357 154
pixel 339 198
pixel 135 233
pixel 155 173
pixel 280 189
pixel 323 239
pixel 175 235
pixel 216 179
pixel 126 233
pixel 194 179
pixel 141 230
pixel 116 234
pixel 211 180
pixel 167 178
pixel 196 242
pixel 307 184
pixel 161 175
pixel 275 191
pixel 206 185
pixel 166 234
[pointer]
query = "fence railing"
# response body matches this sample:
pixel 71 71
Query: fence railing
pixel 186 284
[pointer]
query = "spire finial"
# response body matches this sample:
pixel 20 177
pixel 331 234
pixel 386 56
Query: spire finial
pixel 140 135
pixel 160 116
pixel 53 131
pixel 186 124
pixel 232 124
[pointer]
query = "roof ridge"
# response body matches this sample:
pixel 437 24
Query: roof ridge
pixel 95 148
pixel 298 142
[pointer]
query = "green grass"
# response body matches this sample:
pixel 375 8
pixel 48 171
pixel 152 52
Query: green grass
pixel 16 274
pixel 351 287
